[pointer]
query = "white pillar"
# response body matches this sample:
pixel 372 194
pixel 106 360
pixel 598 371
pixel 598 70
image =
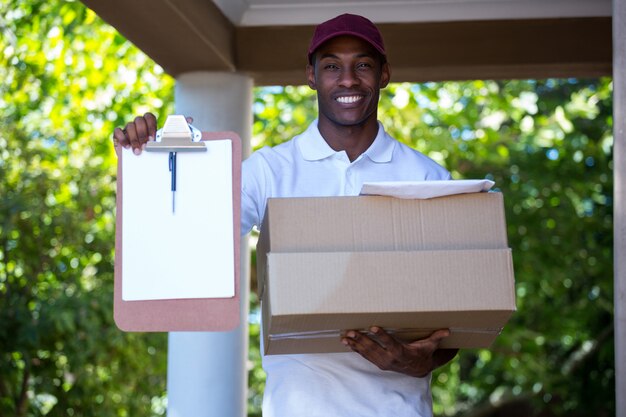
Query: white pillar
pixel 207 372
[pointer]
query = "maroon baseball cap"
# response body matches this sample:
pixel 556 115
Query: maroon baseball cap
pixel 347 24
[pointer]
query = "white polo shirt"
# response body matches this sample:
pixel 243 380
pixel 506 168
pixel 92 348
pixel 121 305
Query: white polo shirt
pixel 337 384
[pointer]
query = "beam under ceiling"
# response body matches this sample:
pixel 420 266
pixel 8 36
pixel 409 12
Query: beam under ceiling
pixel 194 35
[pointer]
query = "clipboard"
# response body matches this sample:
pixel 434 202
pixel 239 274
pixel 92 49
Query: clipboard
pixel 180 314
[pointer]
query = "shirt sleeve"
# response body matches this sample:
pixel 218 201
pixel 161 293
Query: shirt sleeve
pixel 252 192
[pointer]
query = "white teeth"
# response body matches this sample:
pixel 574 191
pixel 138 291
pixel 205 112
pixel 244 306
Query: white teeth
pixel 349 99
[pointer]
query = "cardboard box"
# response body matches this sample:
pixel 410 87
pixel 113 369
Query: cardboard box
pixel 330 264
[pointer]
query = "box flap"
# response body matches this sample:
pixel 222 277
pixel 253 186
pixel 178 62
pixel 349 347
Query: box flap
pixel 373 223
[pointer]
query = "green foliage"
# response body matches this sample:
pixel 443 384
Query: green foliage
pixel 548 146
pixel 281 113
pixel 68 79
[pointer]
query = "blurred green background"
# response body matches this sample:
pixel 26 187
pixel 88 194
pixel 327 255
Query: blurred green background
pixel 68 79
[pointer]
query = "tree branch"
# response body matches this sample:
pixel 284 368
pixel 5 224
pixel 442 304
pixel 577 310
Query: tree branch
pixel 580 355
pixel 21 406
pixel 509 406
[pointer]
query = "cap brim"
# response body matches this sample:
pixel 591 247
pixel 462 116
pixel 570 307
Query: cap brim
pixel 325 39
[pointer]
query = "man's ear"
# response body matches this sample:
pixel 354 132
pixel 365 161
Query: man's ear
pixel 310 76
pixel 385 75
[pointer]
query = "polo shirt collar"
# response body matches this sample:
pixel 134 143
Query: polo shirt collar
pixel 312 144
pixel 314 148
pixel 381 150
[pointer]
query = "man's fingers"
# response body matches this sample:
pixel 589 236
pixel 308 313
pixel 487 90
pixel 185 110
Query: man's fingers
pixel 439 335
pixel 360 342
pixel 385 351
pixel 136 133
pixel 141 126
pixel 131 134
pixel 365 345
pixel 385 357
pixel 385 338
pixel 151 122
pixel 119 138
pixel 433 341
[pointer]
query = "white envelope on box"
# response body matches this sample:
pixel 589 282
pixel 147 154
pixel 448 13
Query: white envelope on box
pixel 425 189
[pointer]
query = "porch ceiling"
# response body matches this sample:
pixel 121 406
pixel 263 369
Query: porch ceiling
pixel 426 40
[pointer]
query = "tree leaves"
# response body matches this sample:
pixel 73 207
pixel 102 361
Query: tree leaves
pixel 64 90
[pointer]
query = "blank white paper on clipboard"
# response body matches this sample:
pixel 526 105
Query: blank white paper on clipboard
pixel 188 253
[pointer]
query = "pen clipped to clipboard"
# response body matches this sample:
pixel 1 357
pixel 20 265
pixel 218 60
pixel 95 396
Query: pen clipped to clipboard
pixel 176 136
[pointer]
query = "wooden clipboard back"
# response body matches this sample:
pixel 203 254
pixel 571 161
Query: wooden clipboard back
pixel 210 314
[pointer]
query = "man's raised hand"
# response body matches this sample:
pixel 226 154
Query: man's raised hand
pixel 136 133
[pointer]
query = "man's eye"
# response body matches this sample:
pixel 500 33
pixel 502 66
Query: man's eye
pixel 331 67
pixel 364 65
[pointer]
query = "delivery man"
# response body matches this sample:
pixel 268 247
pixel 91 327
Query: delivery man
pixel 345 147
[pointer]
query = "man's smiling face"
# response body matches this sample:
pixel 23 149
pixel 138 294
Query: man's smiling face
pixel 347 73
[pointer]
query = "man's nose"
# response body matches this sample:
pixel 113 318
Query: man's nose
pixel 348 78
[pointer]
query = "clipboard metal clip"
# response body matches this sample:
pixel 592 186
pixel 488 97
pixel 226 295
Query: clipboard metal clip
pixel 177 136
